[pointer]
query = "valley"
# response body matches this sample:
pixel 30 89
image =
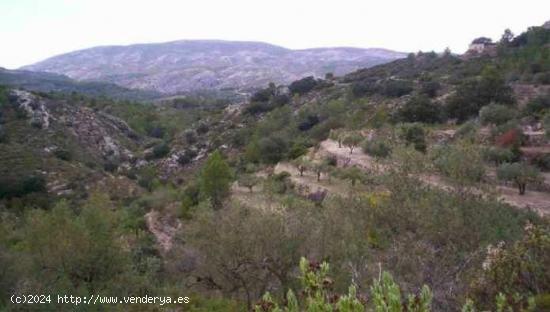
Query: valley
pixel 418 181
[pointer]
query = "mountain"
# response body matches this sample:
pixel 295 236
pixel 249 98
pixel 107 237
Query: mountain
pixel 189 65
pixel 46 82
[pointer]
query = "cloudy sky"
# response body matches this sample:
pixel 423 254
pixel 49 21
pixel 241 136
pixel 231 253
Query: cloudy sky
pixel 32 30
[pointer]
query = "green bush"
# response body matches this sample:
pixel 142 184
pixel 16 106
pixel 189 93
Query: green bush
pixel 376 148
pixel 461 162
pixel 63 154
pixel 519 173
pixel 396 88
pixel 414 134
pixel 538 105
pixel 496 114
pixel 498 155
pixel 159 151
pixel 303 86
pixel 420 109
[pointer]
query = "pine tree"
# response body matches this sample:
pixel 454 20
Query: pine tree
pixel 215 179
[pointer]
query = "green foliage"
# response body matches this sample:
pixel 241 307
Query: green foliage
pixel 538 106
pixel 498 155
pixel 473 94
pixel 461 162
pixel 63 154
pixel 353 174
pixel 21 186
pixel 159 151
pixel 430 88
pixel 317 290
pixel 516 275
pixel 215 179
pixel 414 134
pixel 420 109
pixel 520 173
pixel 496 114
pixel 396 88
pixel 376 148
pixel 351 141
pixel 303 85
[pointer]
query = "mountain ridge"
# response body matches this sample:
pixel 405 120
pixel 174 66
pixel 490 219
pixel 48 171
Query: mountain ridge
pixel 187 65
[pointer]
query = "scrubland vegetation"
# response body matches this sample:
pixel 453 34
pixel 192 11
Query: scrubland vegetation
pixel 418 185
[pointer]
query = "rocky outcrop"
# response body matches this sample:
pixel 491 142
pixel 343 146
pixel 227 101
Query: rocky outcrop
pixel 32 106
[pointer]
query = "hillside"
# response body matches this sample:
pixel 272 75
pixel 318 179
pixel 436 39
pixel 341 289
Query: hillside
pixel 48 82
pixel 191 65
pixel 422 183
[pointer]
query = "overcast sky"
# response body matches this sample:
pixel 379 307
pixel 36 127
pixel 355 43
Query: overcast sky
pixel 32 30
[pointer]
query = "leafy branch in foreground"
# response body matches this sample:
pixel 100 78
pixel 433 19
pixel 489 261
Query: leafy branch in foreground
pixel 317 295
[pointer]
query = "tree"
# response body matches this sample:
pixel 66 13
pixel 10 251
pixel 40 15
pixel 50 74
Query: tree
pixel 215 179
pixel 318 168
pixel 352 141
pixel 420 109
pixel 303 86
pixel 301 163
pixel 353 174
pixel 414 134
pixel 519 173
pixel 248 181
pixel 498 155
pixel 507 37
pixel 496 114
pixel 475 93
pixel 336 135
pixel 376 148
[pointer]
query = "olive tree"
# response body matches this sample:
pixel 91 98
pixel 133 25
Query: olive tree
pixel 352 141
pixel 519 173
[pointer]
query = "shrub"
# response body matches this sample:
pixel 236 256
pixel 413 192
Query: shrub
pixel 376 148
pixel 63 154
pixel 10 188
pixel 414 134
pixel 473 94
pixel 186 157
pixel 467 129
pixel 160 150
pixel 538 105
pixel 516 274
pixel 461 162
pixel 420 109
pixel 308 123
pixel 110 166
pixel 512 137
pixel 317 294
pixel 272 149
pixel 190 137
pixel 519 173
pixel 430 88
pixel 498 155
pixel 303 86
pixel 542 161
pixel 396 88
pixel 496 114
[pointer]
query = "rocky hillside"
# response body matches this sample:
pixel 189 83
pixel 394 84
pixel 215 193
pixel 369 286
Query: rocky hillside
pixel 188 65
pixel 49 82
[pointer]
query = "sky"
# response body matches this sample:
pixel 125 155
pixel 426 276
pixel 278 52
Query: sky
pixel 33 30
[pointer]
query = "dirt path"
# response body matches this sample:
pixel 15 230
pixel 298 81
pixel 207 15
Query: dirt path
pixel 164 228
pixel 537 201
